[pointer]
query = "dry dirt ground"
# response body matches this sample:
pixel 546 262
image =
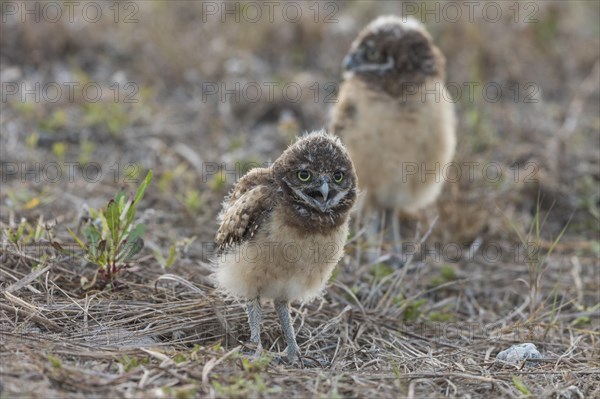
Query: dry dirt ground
pixel 96 94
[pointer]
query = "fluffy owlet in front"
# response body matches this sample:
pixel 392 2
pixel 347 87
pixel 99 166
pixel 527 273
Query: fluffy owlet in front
pixel 283 229
pixel 394 115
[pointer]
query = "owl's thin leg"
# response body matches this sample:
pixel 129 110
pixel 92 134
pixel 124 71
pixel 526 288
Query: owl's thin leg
pixel 373 236
pixel 254 319
pixel 283 311
pixel 396 233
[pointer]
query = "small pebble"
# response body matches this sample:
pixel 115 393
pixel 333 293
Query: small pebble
pixel 518 353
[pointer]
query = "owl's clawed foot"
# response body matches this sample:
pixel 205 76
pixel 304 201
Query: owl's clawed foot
pixel 252 349
pixel 299 361
pixel 284 360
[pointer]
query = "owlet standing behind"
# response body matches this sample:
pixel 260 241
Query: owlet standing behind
pixel 395 117
pixel 283 229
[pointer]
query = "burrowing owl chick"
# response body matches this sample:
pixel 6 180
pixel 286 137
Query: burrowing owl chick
pixel 394 115
pixel 283 229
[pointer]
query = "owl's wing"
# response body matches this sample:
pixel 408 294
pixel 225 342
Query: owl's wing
pixel 245 209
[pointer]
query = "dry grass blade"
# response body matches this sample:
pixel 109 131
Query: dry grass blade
pixel 178 279
pixel 213 362
pixel 27 279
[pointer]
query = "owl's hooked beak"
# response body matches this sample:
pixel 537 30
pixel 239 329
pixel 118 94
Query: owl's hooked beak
pixel 319 197
pixel 324 190
pixel 350 62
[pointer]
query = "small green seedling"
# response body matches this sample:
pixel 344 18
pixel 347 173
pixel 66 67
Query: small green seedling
pixel 23 233
pixel 110 239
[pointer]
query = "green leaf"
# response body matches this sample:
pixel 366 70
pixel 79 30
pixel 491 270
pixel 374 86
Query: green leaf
pixel 137 232
pixel 104 231
pixel 382 270
pixel 130 213
pixel 581 320
pixel 92 235
pixel 112 220
pixel 159 257
pixel 448 273
pixel 30 232
pixel 172 256
pixel 102 258
pixel 39 228
pixel 520 385
pixel 142 188
pixel 413 310
pixel 11 235
pixel 125 215
pixel 15 237
pixel 120 198
pixel 138 196
pixel 133 244
pixel 21 228
pixel 77 240
pixel 55 361
pixel 94 213
pixel 132 248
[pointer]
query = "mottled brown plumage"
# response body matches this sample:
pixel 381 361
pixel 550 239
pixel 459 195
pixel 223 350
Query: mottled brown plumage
pixel 283 228
pixel 245 208
pixel 395 116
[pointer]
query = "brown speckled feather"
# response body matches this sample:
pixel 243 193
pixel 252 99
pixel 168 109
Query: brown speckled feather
pixel 244 210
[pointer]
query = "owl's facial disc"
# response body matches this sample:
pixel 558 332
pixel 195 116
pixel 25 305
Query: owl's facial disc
pixel 320 194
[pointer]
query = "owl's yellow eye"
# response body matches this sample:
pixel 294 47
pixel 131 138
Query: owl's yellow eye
pixel 304 175
pixel 373 54
pixel 338 177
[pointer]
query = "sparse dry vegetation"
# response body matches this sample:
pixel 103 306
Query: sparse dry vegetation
pixel 512 258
